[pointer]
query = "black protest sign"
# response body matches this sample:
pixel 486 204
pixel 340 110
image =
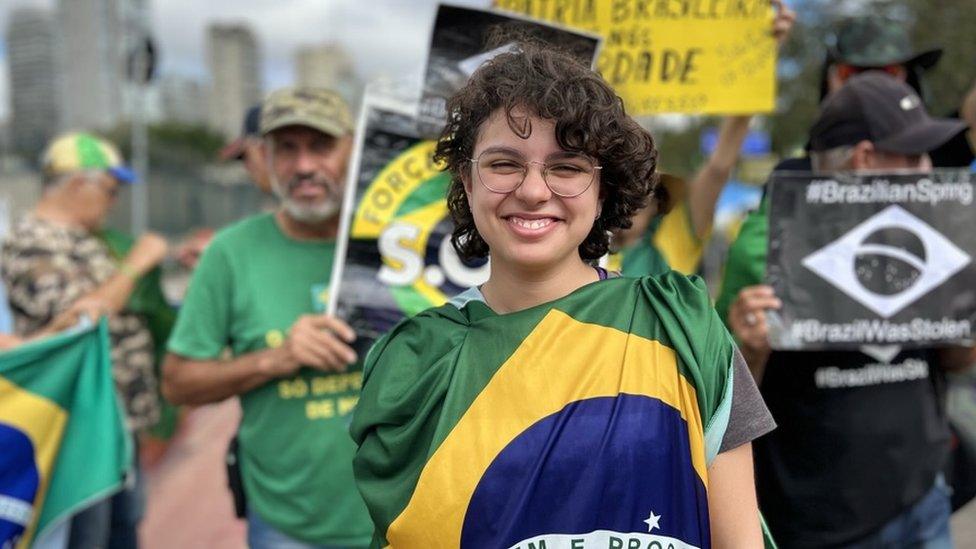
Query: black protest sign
pixel 872 259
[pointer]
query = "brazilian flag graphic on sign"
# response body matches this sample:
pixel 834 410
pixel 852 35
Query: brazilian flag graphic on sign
pixel 587 422
pixel 61 430
pixel 399 259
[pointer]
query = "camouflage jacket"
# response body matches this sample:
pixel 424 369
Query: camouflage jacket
pixel 46 268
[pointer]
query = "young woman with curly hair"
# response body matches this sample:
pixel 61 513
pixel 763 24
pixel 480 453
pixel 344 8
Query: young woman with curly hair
pixel 557 405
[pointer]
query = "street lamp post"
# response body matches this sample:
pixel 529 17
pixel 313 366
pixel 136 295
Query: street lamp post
pixel 140 69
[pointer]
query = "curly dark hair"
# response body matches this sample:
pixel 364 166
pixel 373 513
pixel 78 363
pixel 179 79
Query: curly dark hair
pixel 589 118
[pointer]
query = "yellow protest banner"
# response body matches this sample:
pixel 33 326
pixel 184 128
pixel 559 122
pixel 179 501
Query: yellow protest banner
pixel 685 56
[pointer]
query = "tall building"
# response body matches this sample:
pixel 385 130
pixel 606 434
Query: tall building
pixel 92 62
pixel 34 92
pixel 182 100
pixel 235 75
pixel 328 66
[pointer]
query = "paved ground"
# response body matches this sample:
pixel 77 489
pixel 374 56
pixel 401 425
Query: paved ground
pixel 189 505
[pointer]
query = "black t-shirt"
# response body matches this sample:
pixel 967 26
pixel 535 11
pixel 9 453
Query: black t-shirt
pixel 860 439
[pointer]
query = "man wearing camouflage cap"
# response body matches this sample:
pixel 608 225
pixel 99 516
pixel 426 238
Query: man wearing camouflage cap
pixel 260 289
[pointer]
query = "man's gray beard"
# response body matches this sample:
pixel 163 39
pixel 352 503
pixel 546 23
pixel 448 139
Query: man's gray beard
pixel 312 214
pixel 308 213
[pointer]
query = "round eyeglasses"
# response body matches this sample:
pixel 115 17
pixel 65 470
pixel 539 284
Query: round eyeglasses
pixel 567 175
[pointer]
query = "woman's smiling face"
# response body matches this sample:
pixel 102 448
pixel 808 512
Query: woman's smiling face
pixel 529 227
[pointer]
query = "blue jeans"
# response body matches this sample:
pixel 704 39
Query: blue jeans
pixel 261 535
pixel 924 525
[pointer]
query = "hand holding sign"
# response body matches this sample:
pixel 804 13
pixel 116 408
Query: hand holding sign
pixel 747 319
pixel 879 259
pixel 316 341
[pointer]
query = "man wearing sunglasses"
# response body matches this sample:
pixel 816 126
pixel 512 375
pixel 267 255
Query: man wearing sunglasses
pixel 57 267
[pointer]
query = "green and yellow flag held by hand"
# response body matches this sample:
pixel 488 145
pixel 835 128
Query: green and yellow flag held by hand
pixel 61 429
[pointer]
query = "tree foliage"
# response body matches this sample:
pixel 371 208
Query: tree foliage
pixel 173 144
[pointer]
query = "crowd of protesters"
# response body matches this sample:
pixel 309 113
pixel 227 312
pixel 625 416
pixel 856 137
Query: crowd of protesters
pixel 548 175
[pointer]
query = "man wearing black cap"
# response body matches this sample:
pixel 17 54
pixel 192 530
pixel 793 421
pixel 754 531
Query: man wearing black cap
pixel 248 149
pixel 848 466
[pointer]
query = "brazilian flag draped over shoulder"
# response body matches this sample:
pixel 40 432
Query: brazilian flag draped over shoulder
pixel 61 430
pixel 587 422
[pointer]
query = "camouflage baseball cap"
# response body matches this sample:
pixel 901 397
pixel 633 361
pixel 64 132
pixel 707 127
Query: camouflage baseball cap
pixel 316 108
pixel 877 42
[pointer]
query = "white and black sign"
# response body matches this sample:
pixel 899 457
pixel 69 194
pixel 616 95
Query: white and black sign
pixel 459 44
pixel 879 259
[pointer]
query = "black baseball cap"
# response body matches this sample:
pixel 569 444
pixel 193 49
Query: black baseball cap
pixel 883 110
pixel 251 128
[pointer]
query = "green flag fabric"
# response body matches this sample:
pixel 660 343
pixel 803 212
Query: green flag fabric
pixel 61 430
pixel 589 421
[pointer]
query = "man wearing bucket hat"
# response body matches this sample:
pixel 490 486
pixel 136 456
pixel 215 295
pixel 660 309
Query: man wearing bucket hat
pixel 854 464
pixel 57 267
pixel 876 43
pixel 261 288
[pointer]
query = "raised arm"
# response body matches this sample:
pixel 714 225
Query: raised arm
pixel 113 294
pixel 708 182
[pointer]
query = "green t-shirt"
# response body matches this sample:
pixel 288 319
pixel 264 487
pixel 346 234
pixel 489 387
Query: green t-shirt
pixel 746 263
pixel 250 286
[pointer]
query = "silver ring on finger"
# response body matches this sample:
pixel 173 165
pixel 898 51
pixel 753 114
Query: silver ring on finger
pixel 751 319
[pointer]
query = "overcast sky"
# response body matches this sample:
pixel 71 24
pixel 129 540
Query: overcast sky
pixel 384 37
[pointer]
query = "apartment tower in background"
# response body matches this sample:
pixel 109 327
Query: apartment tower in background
pixel 328 66
pixel 235 75
pixel 182 100
pixel 33 76
pixel 93 34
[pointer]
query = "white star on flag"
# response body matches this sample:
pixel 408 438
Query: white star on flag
pixel 652 522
